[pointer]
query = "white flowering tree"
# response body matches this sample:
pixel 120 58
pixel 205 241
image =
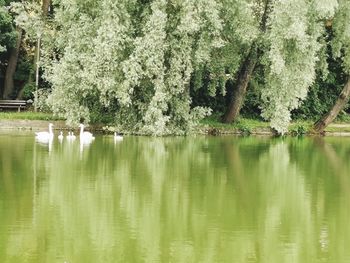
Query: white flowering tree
pixel 341 49
pixel 294 36
pixel 136 59
pixel 133 57
pixel 247 31
pixel 288 45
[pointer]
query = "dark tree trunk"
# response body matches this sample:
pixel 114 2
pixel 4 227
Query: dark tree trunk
pixel 326 119
pixel 20 93
pixel 241 88
pixel 45 7
pixel 11 67
pixel 245 74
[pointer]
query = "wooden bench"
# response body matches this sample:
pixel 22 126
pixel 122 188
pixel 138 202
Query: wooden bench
pixel 13 104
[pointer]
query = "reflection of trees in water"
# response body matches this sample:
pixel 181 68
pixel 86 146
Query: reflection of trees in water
pixel 283 209
pixel 187 199
pixel 15 198
pixel 326 172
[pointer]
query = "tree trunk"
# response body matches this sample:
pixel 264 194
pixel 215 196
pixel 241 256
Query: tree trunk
pixel 46 4
pixel 242 84
pixel 45 7
pixel 11 67
pixel 342 100
pixel 20 93
pixel 45 11
pixel 246 72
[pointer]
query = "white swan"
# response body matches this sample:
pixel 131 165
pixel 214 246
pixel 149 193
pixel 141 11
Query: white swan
pixel 44 135
pixel 71 136
pixel 60 137
pixel 84 135
pixel 117 137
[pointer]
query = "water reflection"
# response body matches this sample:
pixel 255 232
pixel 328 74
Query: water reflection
pixel 45 142
pixel 175 200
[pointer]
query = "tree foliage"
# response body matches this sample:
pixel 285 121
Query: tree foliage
pixel 7 31
pixel 341 27
pixel 138 58
pixel 142 61
pixel 295 28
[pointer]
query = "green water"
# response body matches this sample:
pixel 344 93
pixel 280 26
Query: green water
pixel 195 199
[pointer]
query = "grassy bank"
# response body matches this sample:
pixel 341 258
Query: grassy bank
pixel 28 115
pixel 244 126
pixel 253 126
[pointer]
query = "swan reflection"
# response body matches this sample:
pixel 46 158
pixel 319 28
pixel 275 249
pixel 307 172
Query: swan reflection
pixel 45 142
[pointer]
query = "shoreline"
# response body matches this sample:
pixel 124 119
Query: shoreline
pixel 31 125
pixel 340 130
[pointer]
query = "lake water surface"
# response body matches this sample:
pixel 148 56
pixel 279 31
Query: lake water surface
pixel 175 199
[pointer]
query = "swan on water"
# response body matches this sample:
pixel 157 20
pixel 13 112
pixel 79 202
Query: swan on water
pixel 44 135
pixel 60 137
pixel 71 136
pixel 118 137
pixel 84 135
